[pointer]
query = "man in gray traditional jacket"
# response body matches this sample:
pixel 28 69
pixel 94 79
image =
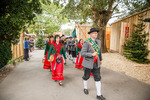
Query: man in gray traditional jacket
pixel 91 51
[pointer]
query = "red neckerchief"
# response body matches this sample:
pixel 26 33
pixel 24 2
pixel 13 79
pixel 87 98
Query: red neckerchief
pixel 57 47
pixel 51 42
pixel 80 46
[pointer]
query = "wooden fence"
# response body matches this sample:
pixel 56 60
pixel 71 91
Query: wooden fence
pixel 18 49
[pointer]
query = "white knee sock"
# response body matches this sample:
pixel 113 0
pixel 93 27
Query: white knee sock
pixel 75 60
pixel 64 60
pixel 85 84
pixel 98 87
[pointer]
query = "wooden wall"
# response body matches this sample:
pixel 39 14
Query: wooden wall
pixel 83 29
pixel 115 37
pixel 118 30
pixel 18 49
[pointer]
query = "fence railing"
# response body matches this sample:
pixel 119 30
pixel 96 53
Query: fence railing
pixel 12 62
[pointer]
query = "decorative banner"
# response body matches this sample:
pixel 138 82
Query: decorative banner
pixel 108 36
pixel 74 33
pixel 126 32
pixel 126 29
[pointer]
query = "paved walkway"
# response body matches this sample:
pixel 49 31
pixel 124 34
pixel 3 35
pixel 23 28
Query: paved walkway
pixel 29 81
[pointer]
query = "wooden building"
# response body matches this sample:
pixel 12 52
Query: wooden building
pixel 83 29
pixel 123 28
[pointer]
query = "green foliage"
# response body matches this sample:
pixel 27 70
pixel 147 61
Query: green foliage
pixel 146 20
pixel 50 20
pixel 135 48
pixel 99 11
pixel 5 54
pixel 84 10
pixel 136 5
pixel 40 43
pixel 14 15
pixel 67 32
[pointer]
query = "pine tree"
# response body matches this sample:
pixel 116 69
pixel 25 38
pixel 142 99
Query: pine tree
pixel 40 43
pixel 135 47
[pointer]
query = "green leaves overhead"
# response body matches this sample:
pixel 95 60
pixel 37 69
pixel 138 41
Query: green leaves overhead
pixel 136 5
pixel 50 20
pixel 83 9
pixel 14 15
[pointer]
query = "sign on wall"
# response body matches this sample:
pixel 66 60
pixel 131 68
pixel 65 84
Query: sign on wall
pixel 126 32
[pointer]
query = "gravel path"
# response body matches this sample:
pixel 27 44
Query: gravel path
pixel 117 62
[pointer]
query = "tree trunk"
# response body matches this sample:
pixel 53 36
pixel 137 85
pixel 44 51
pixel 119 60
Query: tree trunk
pixel 102 37
pixel 104 17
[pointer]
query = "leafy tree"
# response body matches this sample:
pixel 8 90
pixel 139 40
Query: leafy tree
pixel 99 11
pixel 40 42
pixel 135 48
pixel 136 5
pixel 67 31
pixel 50 20
pixel 14 15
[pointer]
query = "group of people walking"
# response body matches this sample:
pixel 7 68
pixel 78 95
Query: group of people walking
pixel 85 56
pixel 73 49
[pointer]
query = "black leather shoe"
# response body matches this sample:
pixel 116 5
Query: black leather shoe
pixel 101 97
pixel 86 91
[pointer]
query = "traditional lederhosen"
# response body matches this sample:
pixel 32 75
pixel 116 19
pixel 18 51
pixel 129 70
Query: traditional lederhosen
pixel 73 48
pixel 66 46
pixel 95 70
pixel 69 48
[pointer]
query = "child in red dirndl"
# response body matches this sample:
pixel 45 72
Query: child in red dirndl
pixel 79 59
pixel 47 64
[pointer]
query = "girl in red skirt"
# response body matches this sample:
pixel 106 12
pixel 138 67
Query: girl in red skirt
pixel 58 52
pixel 47 64
pixel 79 57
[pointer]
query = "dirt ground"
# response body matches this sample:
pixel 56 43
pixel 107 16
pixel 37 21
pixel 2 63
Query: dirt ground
pixel 117 62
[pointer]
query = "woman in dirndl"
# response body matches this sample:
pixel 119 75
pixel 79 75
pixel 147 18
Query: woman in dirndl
pixel 47 64
pixel 79 59
pixel 58 52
